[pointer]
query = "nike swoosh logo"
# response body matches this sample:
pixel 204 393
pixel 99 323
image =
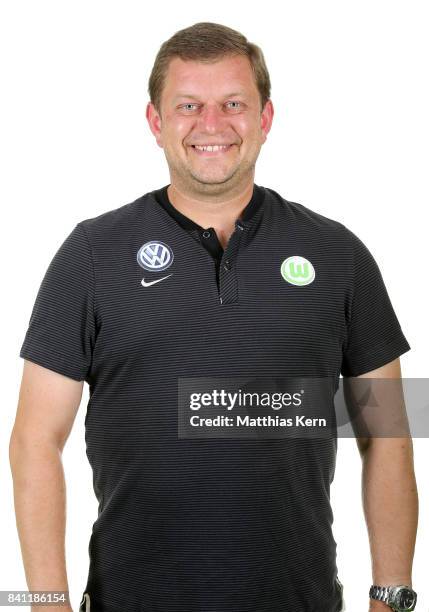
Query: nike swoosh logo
pixel 158 280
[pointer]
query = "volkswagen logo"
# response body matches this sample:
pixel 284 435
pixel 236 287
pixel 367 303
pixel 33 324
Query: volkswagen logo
pixel 155 256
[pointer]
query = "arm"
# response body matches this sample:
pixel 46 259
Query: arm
pixel 390 501
pixel 47 406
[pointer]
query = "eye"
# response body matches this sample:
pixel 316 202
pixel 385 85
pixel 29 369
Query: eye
pixel 185 106
pixel 234 102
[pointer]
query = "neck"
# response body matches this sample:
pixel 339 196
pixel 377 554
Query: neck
pixel 219 211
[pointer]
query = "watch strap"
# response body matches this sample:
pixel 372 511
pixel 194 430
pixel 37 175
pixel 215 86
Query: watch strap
pixel 381 593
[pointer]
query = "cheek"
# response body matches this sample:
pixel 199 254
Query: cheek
pixel 177 128
pixel 245 128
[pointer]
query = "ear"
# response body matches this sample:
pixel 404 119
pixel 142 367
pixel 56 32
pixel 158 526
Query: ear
pixel 154 120
pixel 267 116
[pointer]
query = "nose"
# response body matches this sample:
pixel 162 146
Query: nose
pixel 212 119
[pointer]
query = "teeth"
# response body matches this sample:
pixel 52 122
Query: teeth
pixel 212 147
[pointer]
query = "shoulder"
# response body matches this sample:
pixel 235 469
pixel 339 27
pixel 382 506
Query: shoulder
pixel 117 220
pixel 304 218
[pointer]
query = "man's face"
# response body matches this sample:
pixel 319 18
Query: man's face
pixel 210 104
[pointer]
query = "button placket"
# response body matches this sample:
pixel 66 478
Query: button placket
pixel 228 290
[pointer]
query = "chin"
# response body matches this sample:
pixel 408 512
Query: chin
pixel 212 180
pixel 214 177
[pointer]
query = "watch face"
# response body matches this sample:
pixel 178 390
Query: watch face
pixel 405 599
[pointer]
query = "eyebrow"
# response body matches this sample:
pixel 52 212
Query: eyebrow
pixel 229 95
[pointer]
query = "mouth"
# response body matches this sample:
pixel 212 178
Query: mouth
pixel 211 150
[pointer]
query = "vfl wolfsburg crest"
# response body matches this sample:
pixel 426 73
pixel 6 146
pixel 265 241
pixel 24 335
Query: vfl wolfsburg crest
pixel 297 270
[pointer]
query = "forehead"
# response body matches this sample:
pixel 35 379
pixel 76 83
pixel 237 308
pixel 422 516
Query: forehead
pixel 227 75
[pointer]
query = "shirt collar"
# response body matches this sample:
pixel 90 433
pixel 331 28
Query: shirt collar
pixel 249 211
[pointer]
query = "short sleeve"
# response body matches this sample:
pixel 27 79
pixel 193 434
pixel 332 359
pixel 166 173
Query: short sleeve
pixel 374 335
pixel 61 329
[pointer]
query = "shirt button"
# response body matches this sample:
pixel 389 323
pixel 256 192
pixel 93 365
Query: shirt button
pixel 206 234
pixel 227 265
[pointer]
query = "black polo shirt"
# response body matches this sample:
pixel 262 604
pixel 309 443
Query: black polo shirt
pixel 130 304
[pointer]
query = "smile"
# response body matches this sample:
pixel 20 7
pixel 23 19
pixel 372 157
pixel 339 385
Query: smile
pixel 211 149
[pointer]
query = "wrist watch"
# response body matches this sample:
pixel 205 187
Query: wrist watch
pixel 400 598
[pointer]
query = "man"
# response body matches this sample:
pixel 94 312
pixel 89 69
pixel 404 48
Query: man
pixel 209 276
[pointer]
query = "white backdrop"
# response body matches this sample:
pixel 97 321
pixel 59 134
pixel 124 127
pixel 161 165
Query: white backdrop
pixel 349 140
